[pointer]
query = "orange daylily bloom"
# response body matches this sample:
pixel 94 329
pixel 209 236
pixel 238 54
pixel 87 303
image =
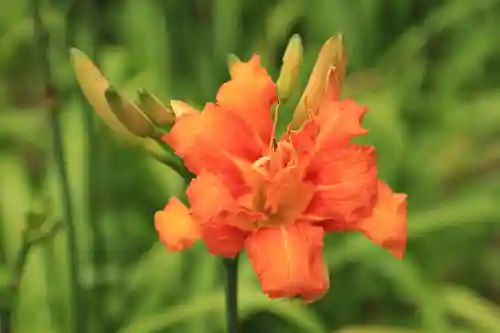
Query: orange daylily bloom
pixel 275 199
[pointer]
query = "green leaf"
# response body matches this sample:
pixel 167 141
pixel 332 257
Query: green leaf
pixel 378 329
pixel 213 303
pixel 4 276
pixel 478 311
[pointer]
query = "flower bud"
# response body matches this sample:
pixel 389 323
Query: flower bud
pixel 120 115
pixel 94 85
pixel 232 59
pixel 155 110
pixel 181 108
pixel 292 60
pixel 333 55
pixel 130 115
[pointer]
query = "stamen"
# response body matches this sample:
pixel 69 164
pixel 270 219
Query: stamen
pixel 275 124
pixel 274 144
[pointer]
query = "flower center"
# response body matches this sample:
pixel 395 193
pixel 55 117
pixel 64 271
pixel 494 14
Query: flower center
pixel 280 194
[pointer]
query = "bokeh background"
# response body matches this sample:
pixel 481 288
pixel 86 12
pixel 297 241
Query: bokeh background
pixel 428 69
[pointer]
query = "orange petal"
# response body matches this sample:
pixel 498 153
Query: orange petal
pixel 215 126
pixel 209 197
pixel 211 139
pixel 335 124
pixel 288 196
pixel 218 214
pixel 288 260
pixel 250 94
pixel 221 238
pixel 387 224
pixel 320 274
pixel 346 183
pixel 339 122
pixel 175 226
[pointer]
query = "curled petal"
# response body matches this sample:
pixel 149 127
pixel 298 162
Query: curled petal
pixel 185 131
pixel 209 197
pixel 287 196
pixel 346 184
pixel 211 139
pixel 175 226
pixel 250 94
pixel 288 261
pixel 215 126
pixel 221 238
pixel 339 122
pixel 319 273
pixel 387 224
pixel 305 138
pixel 334 125
pixel 222 221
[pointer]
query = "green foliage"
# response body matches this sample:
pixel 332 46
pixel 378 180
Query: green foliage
pixel 430 73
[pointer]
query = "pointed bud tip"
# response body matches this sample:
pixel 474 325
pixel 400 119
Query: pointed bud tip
pixel 332 54
pixel 232 59
pixel 294 49
pixel 296 38
pixel 338 37
pixel 154 108
pixel 73 51
pixel 77 54
pixel 292 60
pixel 181 108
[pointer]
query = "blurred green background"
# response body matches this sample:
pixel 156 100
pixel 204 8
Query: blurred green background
pixel 428 69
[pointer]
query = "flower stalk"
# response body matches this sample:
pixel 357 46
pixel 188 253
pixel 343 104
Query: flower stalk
pixel 41 42
pixel 231 280
pixel 231 268
pixel 5 320
pixel 93 20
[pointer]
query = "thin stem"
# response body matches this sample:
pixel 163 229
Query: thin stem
pixel 53 109
pixel 12 290
pixel 5 320
pixel 92 20
pixel 13 287
pixel 17 272
pixel 231 267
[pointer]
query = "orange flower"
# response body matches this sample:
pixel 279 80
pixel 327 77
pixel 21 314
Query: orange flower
pixel 276 199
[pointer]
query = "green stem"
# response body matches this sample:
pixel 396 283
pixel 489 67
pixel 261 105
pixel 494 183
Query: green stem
pixel 231 268
pixel 5 320
pixel 92 20
pixel 53 109
pixel 17 271
pixel 13 287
